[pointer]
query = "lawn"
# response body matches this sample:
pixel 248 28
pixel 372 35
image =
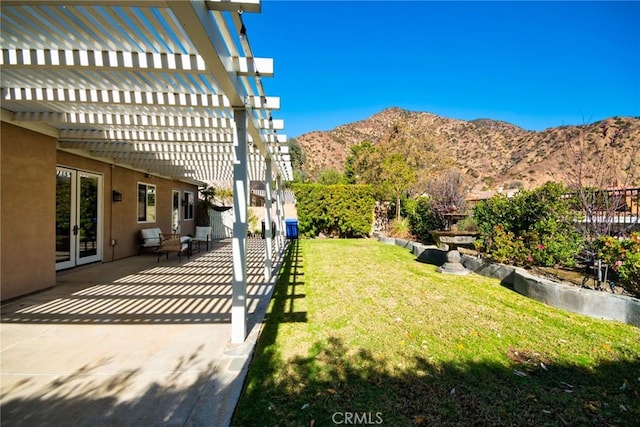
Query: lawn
pixel 360 332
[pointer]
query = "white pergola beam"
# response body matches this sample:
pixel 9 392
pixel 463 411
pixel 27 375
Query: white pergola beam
pixel 128 61
pixel 235 5
pixel 150 146
pixel 271 124
pixel 123 97
pixel 133 120
pixel 276 139
pixel 264 102
pixel 93 60
pixel 146 135
pixel 223 5
pixel 261 67
pixel 196 21
pixel 115 97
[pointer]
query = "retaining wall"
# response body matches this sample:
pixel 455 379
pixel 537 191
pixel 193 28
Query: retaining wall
pixel 597 304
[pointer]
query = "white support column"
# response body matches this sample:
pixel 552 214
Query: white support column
pixel 239 242
pixel 279 242
pixel 281 217
pixel 268 234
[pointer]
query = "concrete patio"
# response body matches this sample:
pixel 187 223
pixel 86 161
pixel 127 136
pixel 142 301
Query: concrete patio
pixel 131 342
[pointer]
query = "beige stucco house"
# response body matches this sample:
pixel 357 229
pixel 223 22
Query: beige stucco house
pixel 61 210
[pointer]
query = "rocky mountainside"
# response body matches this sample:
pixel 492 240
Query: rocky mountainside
pixel 490 154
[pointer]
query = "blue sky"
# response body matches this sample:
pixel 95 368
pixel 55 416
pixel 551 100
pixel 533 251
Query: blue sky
pixel 533 64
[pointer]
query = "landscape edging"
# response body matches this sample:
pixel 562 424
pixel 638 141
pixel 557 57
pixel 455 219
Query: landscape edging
pixel 589 302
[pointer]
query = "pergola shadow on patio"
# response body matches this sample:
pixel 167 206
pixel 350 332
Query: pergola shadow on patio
pixel 132 342
pixel 194 291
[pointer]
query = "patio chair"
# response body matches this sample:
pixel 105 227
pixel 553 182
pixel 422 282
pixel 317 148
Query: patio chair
pixel 203 235
pixel 174 243
pixel 150 239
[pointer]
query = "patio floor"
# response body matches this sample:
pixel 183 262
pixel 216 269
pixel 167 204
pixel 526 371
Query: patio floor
pixel 131 342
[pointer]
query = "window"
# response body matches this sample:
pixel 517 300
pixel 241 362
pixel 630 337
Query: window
pixel 146 202
pixel 188 205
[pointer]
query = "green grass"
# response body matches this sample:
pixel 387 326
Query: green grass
pixel 356 326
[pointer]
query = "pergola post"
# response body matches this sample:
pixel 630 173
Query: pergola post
pixel 268 235
pixel 281 223
pixel 239 242
pixel 279 247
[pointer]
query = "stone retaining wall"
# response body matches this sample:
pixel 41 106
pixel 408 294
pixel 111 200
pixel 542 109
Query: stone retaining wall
pixel 597 304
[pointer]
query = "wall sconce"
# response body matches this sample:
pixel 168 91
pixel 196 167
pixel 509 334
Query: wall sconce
pixel 116 196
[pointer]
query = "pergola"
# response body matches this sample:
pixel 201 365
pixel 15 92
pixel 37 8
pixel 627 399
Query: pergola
pixel 171 88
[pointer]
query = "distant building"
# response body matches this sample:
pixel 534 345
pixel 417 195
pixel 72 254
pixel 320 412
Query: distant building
pixel 473 198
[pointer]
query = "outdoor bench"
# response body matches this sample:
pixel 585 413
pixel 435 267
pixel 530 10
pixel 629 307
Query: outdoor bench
pixel 150 239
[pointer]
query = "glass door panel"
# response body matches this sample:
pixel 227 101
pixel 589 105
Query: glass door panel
pixel 65 204
pixel 78 218
pixel 88 217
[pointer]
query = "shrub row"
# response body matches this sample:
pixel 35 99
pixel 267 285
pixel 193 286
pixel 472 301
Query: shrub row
pixel 534 227
pixel 335 210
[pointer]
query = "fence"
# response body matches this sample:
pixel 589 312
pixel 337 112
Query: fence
pixel 613 212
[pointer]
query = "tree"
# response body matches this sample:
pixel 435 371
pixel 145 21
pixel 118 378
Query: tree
pixel 205 203
pixel 447 194
pixel 298 158
pixel 600 165
pixel 392 166
pixel 418 151
pixel 224 196
pixel 361 164
pixel 396 177
pixel 209 196
pixel 331 177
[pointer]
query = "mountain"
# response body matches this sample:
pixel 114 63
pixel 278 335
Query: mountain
pixel 489 153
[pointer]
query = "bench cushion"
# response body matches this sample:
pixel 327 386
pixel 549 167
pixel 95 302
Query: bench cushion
pixel 150 237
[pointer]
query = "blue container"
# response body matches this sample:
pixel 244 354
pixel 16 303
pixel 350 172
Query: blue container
pixel 291 228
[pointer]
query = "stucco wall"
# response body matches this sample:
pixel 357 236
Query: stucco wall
pixel 121 223
pixel 27 205
pixel 28 163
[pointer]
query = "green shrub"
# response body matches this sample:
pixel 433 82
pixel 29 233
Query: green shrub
pixel 422 218
pixel 508 249
pixel 491 213
pixel 468 224
pixel 623 256
pixel 335 210
pixel 533 227
pixel 554 242
pixel 400 228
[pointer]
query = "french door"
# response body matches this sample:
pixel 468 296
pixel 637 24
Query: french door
pixel 78 217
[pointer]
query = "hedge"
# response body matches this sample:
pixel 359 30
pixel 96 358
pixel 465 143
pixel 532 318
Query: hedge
pixel 335 210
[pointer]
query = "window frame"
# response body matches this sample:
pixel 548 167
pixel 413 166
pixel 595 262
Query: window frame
pixel 148 215
pixel 189 206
